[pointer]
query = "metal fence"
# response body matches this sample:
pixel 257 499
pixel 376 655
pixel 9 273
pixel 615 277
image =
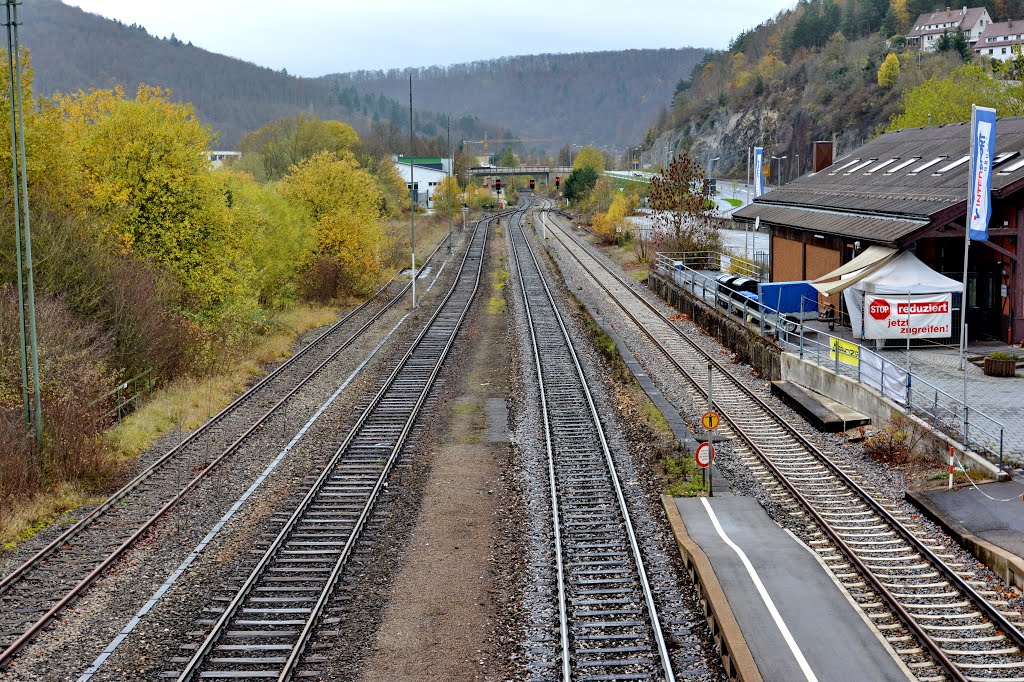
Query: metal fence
pixel 971 426
pixel 128 395
pixel 718 261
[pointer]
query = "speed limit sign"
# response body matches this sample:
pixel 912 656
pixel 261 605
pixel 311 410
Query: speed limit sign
pixel 705 455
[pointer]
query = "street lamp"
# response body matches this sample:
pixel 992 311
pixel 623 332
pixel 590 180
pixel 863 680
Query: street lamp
pixel 778 178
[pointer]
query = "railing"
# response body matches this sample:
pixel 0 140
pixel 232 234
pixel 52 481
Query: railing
pixel 719 261
pixel 127 396
pixel 843 357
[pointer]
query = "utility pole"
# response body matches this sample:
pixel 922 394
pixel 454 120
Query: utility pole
pixel 448 188
pixel 23 238
pixel 412 198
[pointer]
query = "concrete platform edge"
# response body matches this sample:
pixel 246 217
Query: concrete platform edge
pixel 1003 563
pixel 728 637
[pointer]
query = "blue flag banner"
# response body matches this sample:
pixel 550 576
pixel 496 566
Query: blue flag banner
pixel 983 141
pixel 758 172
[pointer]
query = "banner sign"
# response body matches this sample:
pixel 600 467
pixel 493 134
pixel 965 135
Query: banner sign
pixel 758 177
pixel 922 316
pixel 848 352
pixel 979 203
pixel 888 379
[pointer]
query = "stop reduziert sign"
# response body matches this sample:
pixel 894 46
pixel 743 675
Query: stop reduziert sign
pixel 879 309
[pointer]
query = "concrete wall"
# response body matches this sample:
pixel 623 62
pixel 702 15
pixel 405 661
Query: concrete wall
pixel 847 391
pixel 760 352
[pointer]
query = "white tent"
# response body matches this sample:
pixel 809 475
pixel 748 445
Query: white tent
pixel 903 274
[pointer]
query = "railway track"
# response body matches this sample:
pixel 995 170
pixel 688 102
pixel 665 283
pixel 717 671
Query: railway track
pixel 937 617
pixel 609 627
pixel 265 623
pixel 37 591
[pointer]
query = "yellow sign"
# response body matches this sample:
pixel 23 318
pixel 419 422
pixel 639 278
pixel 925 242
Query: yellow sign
pixel 710 420
pixel 849 353
pixel 766 170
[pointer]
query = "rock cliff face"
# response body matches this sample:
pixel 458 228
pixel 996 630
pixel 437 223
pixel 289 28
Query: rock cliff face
pixel 729 135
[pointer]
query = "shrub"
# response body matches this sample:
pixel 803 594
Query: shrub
pixel 897 443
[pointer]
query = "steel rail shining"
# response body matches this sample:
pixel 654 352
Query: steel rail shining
pixel 990 611
pixel 652 609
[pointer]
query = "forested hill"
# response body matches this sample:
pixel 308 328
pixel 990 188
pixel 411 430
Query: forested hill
pixel 810 73
pixel 607 98
pixel 72 49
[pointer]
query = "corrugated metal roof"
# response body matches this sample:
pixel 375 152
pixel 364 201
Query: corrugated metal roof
pixel 886 230
pixel 893 191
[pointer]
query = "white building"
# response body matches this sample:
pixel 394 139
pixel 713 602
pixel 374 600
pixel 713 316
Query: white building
pixel 422 175
pixel 218 159
pixel 1001 40
pixel 929 27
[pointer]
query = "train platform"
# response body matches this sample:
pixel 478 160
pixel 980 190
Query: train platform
pixel 774 609
pixel 986 519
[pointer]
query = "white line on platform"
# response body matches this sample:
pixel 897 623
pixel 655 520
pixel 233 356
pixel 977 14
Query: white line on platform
pixel 173 577
pixel 765 597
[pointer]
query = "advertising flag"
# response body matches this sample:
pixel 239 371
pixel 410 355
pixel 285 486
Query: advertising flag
pixel 979 203
pixel 758 177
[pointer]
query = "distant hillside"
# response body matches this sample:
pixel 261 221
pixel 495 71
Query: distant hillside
pixel 72 49
pixel 607 98
pixel 810 73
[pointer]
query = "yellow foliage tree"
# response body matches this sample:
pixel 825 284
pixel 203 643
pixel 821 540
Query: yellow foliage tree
pixel 146 178
pixel 447 197
pixel 343 201
pixel 611 225
pixel 588 157
pixel 889 71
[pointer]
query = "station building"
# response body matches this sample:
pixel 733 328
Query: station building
pixel 422 175
pixel 908 190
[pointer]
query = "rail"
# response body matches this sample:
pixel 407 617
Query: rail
pixel 987 610
pixel 973 427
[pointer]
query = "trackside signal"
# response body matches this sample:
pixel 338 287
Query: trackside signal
pixel 531 184
pixel 497 185
pixel 558 180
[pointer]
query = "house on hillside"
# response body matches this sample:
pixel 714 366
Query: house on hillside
pixel 908 190
pixel 929 27
pixel 1001 40
pixel 422 175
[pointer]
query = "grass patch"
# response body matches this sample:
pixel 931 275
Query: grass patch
pixel 35 515
pixel 732 202
pixel 496 303
pixel 684 478
pixel 189 402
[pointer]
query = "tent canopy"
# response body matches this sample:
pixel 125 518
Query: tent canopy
pixel 906 274
pixel 851 273
pixel 880 270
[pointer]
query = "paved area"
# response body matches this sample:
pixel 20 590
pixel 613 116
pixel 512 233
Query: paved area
pixel 827 631
pixel 991 512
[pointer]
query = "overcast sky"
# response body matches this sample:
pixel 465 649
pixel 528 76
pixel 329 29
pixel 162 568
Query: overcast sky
pixel 314 37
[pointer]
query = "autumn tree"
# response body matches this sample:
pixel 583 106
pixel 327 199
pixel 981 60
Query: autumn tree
pixel 889 71
pixel 147 182
pixel 588 157
pixel 682 212
pixel 612 226
pixel 447 197
pixel 948 99
pixel 269 152
pixel 344 203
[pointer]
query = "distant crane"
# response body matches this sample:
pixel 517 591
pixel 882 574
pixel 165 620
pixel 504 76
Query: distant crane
pixel 504 140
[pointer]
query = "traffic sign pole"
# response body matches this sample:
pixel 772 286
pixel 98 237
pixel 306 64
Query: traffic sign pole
pixel 711 408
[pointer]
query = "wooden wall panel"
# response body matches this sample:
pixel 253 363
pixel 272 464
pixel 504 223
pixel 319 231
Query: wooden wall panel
pixel 787 259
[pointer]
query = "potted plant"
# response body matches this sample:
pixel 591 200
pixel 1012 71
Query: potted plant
pixel 1001 364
